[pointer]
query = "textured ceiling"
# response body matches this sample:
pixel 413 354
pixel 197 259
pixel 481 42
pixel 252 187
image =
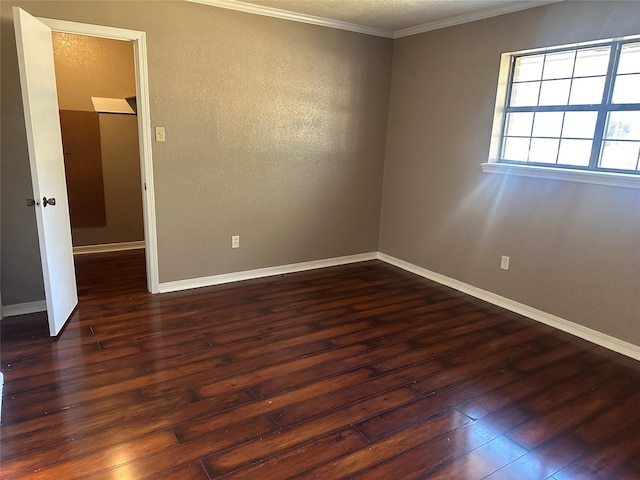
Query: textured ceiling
pixel 396 15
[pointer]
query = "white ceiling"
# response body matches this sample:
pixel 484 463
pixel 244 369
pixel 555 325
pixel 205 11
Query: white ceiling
pixel 386 18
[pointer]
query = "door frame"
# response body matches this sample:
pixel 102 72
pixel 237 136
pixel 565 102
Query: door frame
pixel 139 41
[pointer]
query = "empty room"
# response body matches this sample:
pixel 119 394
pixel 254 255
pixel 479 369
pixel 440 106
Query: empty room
pixel 320 239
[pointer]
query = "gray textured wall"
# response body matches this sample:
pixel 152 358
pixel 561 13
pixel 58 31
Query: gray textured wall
pixel 574 248
pixel 275 132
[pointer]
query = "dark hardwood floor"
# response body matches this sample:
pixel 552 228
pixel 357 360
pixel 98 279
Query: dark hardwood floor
pixel 359 371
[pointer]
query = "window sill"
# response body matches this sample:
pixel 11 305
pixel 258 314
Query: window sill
pixel 599 178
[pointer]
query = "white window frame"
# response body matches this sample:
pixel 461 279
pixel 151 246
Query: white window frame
pixel 567 174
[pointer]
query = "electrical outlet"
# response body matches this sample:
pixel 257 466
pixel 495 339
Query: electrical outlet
pixel 504 263
pixel 235 241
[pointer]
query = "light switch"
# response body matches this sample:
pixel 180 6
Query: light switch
pixel 159 134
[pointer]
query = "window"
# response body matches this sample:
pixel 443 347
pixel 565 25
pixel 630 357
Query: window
pixel 571 108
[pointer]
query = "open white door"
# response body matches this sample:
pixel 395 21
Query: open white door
pixel 42 121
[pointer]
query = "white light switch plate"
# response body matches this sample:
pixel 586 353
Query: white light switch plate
pixel 159 134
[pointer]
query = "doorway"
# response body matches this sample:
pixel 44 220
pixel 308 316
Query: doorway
pixel 138 40
pixel 95 79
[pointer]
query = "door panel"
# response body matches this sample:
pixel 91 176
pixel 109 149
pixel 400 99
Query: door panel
pixel 39 96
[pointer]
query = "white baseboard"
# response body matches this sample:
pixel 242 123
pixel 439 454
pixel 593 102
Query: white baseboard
pixel 108 247
pixel 263 272
pixel 23 308
pixel 593 336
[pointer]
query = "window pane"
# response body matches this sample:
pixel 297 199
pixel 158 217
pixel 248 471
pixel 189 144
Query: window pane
pixel 516 149
pixel 525 94
pixel 592 61
pixel 623 126
pixel 547 124
pixel 630 58
pixel 586 91
pixel 555 92
pixel 543 150
pixel 575 152
pixel 528 68
pixel 558 65
pixel 567 104
pixel 620 155
pixel 627 89
pixel 579 124
pixel 519 124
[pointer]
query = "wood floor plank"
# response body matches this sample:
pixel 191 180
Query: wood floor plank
pixel 94 462
pixel 557 454
pixel 601 429
pixel 535 383
pixel 267 406
pixel 260 375
pixel 356 371
pixel 615 461
pixel 327 368
pixel 425 459
pixel 103 358
pixel 64 430
pixel 190 471
pixel 587 400
pixel 338 399
pixel 154 465
pixel 303 457
pixel 556 348
pixel 435 401
pixel 389 447
pixel 267 346
pixel 483 461
pixel 249 452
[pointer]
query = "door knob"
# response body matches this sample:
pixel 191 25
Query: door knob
pixel 48 201
pixel 31 202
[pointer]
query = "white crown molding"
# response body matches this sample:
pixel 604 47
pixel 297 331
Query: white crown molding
pixel 295 17
pixel 593 336
pixel 108 247
pixel 23 308
pixel 472 17
pixel 263 272
pixel 378 32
